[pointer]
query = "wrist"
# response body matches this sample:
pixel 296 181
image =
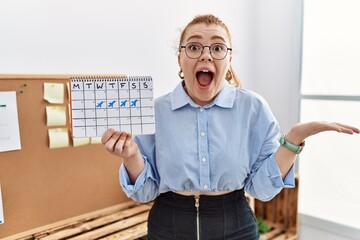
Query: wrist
pixel 133 160
pixel 293 147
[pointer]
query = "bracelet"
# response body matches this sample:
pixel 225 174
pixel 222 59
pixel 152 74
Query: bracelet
pixel 290 146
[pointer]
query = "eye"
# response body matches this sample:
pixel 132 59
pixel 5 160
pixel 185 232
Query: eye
pixel 218 47
pixel 193 47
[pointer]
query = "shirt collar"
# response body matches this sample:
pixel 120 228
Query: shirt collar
pixel 226 96
pixel 224 99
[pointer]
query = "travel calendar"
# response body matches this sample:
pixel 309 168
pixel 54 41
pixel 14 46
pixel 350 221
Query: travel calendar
pixel 121 103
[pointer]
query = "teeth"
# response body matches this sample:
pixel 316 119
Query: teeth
pixel 204 70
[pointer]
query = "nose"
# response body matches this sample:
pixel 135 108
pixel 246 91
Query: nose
pixel 206 54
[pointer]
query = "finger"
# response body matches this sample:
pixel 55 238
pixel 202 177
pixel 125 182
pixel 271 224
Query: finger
pixel 107 135
pixel 118 147
pixel 111 142
pixel 342 128
pixel 332 127
pixel 128 145
pixel 347 128
pixel 128 140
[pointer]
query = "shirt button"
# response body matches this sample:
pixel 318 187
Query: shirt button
pixel 203 159
pixel 205 186
pixel 202 134
pixel 201 109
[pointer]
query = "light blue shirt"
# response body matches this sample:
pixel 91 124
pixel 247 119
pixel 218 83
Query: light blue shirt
pixel 226 145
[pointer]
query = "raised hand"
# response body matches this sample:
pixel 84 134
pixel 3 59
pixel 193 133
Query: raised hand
pixel 301 131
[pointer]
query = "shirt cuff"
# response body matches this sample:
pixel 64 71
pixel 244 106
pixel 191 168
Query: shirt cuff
pixel 276 177
pixel 125 182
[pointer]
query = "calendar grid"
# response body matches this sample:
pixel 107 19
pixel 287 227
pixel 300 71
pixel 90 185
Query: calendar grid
pixel 125 104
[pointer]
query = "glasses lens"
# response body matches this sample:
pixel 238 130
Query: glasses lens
pixel 218 50
pixel 193 50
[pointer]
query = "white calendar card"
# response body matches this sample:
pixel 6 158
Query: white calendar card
pixel 121 103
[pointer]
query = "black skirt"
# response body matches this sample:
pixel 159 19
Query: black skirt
pixel 227 216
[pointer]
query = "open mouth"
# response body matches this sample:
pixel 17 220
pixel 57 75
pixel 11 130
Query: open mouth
pixel 204 77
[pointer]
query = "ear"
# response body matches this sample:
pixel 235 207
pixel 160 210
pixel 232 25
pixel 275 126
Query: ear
pixel 179 59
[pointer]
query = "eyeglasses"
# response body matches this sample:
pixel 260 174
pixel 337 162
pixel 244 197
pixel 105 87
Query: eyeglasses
pixel 218 51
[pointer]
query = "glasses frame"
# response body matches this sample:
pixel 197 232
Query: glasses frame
pixel 202 51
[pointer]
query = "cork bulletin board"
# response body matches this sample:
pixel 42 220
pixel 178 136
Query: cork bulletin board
pixel 40 185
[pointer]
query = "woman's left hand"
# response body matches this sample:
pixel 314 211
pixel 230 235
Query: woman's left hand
pixel 300 131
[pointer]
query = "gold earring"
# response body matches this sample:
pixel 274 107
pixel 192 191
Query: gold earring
pixel 181 74
pixel 228 75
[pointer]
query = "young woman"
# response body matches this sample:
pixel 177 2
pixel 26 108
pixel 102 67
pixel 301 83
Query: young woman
pixel 213 141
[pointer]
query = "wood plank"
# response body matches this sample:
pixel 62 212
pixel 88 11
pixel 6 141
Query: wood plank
pixel 270 235
pixel 284 217
pixel 53 227
pixel 112 228
pixel 260 209
pixel 96 223
pixel 293 237
pixel 292 206
pixel 280 237
pixel 22 238
pixel 269 210
pixel 135 232
pixel 286 236
pixel 277 208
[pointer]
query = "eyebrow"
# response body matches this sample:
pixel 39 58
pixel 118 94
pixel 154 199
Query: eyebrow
pixel 200 37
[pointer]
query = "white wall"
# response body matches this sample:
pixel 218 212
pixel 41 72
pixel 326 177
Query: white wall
pixel 277 54
pixel 107 36
pixel 140 38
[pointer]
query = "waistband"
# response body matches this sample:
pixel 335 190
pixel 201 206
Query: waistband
pixel 225 201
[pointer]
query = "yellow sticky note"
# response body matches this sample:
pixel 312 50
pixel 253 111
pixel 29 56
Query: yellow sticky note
pixel 56 115
pixel 58 137
pixel 95 140
pixel 54 92
pixel 80 141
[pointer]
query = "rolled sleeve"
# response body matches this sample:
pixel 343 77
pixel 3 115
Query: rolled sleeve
pixel 276 177
pixel 145 188
pixel 267 182
pixel 126 184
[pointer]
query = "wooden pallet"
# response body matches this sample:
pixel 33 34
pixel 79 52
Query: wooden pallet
pixel 281 214
pixel 126 221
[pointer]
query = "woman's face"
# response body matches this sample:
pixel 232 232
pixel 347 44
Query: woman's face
pixel 205 76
